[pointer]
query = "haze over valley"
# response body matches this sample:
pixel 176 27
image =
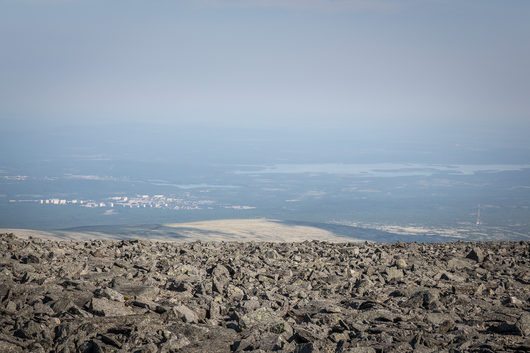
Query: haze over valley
pixel 374 120
pixel 107 176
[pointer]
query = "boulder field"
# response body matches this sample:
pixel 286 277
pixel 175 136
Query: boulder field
pixel 312 296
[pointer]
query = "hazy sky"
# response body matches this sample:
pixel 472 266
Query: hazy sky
pixel 259 62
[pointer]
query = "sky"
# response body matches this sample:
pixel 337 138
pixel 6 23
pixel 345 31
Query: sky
pixel 344 64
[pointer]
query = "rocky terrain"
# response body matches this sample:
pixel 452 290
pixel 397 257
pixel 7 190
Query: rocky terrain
pixel 141 296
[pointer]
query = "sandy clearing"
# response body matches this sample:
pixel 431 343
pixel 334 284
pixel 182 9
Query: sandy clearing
pixel 266 230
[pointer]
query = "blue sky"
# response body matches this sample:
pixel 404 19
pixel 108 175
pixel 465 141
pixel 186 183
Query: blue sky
pixel 342 63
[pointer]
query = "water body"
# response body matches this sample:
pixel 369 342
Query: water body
pixel 382 169
pixel 197 186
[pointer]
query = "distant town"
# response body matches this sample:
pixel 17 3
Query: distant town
pixel 137 201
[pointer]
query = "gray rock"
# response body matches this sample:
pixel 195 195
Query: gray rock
pixel 62 305
pixel 306 348
pixel 105 307
pixel 186 314
pixel 393 273
pixel 110 293
pixel 30 259
pixel 11 307
pixel 476 254
pixel 220 271
pixel 264 318
pixel 271 254
pixel 522 326
pixel 361 350
pixel 175 344
pixel 8 347
pixel 401 264
pixel 234 293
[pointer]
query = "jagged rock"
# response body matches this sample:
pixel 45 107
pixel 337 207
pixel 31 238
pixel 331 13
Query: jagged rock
pixel 220 271
pixel 457 263
pixel 11 307
pixel 132 289
pixel 62 305
pixel 362 285
pixel 30 259
pixel 186 314
pixel 234 293
pixel 426 298
pixel 393 273
pixel 271 254
pixel 180 286
pixel 361 350
pixel 522 326
pixel 476 254
pixel 107 339
pixel 175 344
pixel 306 348
pixel 439 318
pixel 105 307
pixel 109 293
pixel 264 318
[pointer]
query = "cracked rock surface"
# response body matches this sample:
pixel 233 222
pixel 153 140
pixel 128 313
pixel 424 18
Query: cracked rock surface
pixel 142 296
